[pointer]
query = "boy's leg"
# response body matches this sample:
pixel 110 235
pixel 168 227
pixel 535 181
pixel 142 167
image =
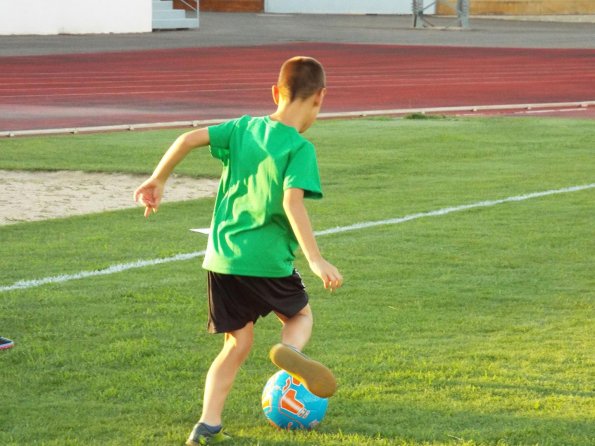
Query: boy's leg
pixel 288 356
pixel 223 371
pixel 297 330
pixel 218 383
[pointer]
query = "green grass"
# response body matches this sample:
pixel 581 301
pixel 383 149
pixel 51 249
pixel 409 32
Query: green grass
pixel 474 328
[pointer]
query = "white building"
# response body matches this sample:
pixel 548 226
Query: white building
pixel 74 16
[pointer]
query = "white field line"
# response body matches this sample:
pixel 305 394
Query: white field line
pixel 25 284
pixel 118 268
pixel 450 210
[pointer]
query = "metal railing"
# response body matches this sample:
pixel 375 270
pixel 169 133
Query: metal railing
pixel 460 6
pixel 192 7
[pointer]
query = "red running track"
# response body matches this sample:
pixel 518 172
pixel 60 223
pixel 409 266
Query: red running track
pixel 56 91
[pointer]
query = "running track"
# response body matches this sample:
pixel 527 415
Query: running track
pixel 57 91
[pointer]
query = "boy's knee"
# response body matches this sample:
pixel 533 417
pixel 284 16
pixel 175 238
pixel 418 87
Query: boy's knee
pixel 302 322
pixel 239 343
pixel 306 314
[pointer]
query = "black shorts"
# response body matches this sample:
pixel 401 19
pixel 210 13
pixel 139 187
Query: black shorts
pixel 234 301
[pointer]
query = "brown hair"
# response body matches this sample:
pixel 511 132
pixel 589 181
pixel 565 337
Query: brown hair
pixel 301 77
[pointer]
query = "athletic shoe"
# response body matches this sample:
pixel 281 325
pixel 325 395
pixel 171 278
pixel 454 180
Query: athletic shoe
pixel 202 436
pixel 5 343
pixel 317 378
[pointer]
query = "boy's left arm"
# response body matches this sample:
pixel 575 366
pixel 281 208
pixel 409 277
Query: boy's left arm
pixel 295 209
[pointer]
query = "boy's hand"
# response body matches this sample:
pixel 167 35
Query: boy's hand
pixel 331 277
pixel 149 194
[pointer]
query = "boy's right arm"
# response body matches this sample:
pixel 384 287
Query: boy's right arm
pixel 151 191
pixel 293 204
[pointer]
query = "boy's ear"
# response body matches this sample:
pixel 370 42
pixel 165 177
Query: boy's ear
pixel 319 96
pixel 275 91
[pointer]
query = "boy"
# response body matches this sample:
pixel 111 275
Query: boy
pixel 258 222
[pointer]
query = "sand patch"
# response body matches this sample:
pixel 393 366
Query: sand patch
pixel 33 196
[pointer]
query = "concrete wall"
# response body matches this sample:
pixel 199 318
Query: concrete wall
pixel 341 6
pixel 75 16
pixel 524 7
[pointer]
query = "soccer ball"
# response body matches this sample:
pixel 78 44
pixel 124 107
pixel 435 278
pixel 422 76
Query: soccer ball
pixel 287 403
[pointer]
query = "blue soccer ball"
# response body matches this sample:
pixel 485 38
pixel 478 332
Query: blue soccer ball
pixel 287 403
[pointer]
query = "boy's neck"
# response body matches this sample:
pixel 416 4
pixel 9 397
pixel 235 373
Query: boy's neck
pixel 298 114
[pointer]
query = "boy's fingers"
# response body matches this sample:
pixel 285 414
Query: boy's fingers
pixel 332 283
pixel 148 196
pixel 338 281
pixel 139 196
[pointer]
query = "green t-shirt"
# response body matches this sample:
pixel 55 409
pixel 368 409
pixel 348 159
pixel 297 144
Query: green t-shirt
pixel 250 233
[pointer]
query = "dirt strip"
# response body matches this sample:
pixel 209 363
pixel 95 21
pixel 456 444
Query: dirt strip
pixel 34 196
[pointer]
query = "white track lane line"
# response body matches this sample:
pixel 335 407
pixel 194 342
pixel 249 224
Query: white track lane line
pixel 26 284
pixel 325 115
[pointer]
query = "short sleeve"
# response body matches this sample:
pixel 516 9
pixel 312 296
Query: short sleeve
pixel 220 137
pixel 302 172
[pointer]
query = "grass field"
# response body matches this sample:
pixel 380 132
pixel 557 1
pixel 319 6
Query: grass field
pixel 472 328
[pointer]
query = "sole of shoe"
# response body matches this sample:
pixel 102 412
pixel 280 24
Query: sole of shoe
pixel 317 378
